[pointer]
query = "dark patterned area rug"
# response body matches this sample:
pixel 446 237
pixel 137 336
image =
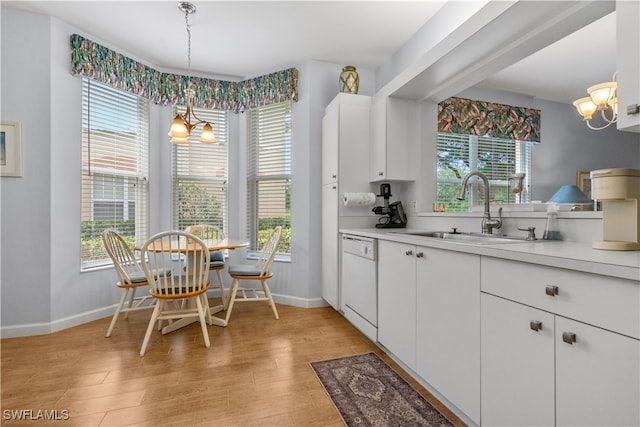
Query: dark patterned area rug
pixel 367 392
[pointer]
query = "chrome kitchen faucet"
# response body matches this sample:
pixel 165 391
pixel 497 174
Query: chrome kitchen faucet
pixel 488 224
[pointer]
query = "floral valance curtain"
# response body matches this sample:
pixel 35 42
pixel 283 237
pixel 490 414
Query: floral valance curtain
pixel 92 60
pixel 468 117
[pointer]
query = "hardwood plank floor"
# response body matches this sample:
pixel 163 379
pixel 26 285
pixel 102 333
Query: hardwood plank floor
pixel 256 372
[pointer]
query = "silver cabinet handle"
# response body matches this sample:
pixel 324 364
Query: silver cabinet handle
pixel 420 255
pixel 551 290
pixel 333 187
pixel 569 337
pixel 380 173
pixel 409 252
pixel 334 176
pixel 535 325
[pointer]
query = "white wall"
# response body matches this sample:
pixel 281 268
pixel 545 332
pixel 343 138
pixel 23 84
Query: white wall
pixel 44 205
pixel 25 240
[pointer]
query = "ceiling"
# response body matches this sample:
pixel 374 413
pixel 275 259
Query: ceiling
pixel 243 39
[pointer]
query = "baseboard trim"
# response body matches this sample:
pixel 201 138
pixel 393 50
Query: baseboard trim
pixel 33 329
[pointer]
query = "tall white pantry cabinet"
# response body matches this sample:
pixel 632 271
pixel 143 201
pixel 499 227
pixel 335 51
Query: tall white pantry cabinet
pixel 345 168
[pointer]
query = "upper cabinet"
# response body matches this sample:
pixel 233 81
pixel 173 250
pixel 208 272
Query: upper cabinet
pixel 628 64
pixel 345 141
pixel 394 139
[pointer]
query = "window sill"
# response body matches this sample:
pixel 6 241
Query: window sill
pixel 278 258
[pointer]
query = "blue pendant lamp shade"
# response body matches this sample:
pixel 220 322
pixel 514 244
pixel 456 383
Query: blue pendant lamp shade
pixel 570 194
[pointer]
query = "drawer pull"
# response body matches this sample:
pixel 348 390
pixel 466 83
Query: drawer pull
pixel 569 337
pixel 535 325
pixel 409 252
pixel 551 290
pixel 420 255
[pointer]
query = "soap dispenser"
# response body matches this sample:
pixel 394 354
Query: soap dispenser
pixel 552 231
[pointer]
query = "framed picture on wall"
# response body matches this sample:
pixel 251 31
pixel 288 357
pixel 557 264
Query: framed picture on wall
pixel 583 181
pixel 10 149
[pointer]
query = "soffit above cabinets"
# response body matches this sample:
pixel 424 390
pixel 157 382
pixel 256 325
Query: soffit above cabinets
pixel 548 50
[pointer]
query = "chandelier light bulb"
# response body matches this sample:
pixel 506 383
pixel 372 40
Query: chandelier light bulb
pixel 178 128
pixel 602 97
pixel 602 93
pixel 585 107
pixel 207 135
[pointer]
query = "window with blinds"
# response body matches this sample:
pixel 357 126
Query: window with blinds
pixel 115 169
pixel 269 174
pixel 496 158
pixel 200 173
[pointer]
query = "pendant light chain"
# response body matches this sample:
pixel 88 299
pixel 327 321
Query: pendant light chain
pixel 186 21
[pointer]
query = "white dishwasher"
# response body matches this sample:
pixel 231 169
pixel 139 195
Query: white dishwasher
pixel 359 280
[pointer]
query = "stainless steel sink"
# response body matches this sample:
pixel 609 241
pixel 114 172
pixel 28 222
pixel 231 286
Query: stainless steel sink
pixel 478 238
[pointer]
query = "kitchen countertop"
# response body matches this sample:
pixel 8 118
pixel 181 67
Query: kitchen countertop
pixel 579 256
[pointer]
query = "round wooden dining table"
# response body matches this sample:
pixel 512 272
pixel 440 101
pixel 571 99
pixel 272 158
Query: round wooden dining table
pixel 212 245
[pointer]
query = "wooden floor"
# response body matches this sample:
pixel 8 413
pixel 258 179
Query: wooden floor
pixel 256 372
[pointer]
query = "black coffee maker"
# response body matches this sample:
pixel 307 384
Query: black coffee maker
pixel 393 215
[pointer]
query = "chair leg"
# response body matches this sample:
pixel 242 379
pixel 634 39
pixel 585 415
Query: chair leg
pixel 131 300
pixel 154 317
pixel 123 295
pixel 231 299
pixel 223 295
pixel 205 304
pixel 267 293
pixel 201 308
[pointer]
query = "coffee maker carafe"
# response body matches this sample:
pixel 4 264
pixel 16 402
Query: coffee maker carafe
pixel 393 215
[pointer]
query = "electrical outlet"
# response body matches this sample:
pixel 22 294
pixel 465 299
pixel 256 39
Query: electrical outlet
pixel 414 205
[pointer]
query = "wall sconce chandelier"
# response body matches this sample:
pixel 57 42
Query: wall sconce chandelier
pixel 183 124
pixel 602 97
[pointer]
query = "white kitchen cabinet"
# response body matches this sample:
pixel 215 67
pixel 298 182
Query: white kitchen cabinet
pixel 543 377
pixel 394 139
pixel 628 63
pixel 597 377
pixel 448 326
pixel 517 364
pixel 397 300
pixel 429 317
pixel 345 150
pixel 330 288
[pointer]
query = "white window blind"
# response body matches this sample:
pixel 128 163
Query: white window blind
pixel 496 158
pixel 269 174
pixel 115 169
pixel 200 174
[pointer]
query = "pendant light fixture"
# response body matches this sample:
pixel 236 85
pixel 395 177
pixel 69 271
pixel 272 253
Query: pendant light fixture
pixel 602 97
pixel 183 124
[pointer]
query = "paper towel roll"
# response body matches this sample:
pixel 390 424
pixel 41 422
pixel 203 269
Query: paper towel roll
pixel 359 199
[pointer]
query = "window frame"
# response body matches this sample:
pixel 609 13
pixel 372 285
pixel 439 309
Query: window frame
pixel 180 159
pixel 519 160
pixel 115 146
pixel 269 125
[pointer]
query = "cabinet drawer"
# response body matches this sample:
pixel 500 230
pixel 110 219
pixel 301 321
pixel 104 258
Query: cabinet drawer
pixel 603 301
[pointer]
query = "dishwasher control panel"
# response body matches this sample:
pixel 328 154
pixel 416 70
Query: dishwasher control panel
pixel 361 246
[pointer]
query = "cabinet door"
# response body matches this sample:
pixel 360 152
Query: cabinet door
pixel 330 242
pixel 378 148
pixel 517 364
pixel 448 314
pixel 597 377
pixel 330 124
pixel 394 138
pixel 628 62
pixel 397 300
